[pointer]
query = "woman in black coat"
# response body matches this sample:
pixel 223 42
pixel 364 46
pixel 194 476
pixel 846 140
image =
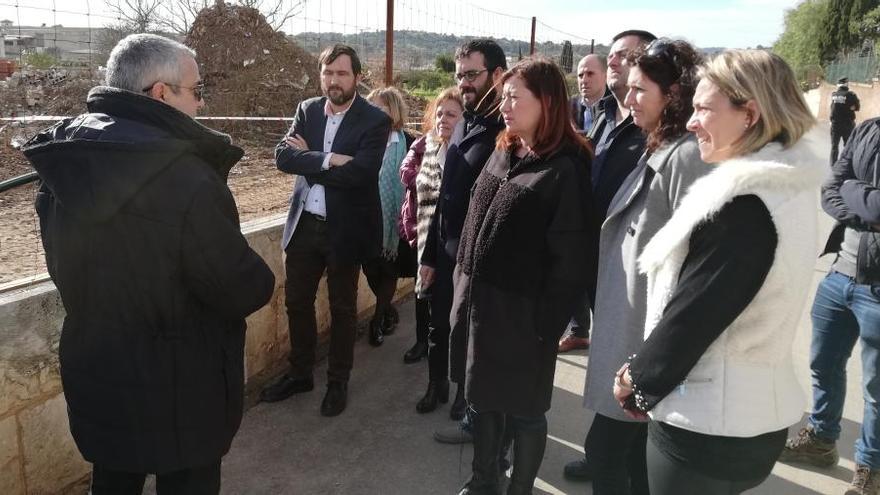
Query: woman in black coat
pixel 526 258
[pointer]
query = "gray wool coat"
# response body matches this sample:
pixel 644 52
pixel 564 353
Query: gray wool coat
pixel 642 205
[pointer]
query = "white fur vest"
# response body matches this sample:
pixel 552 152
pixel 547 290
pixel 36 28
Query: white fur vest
pixel 744 385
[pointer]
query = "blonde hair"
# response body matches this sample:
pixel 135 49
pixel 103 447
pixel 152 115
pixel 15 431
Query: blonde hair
pixel 397 108
pixel 744 75
pixel 451 93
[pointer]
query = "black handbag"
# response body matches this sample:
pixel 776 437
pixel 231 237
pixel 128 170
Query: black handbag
pixel 407 264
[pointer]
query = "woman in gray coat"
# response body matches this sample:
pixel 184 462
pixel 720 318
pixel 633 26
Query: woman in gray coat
pixel 661 84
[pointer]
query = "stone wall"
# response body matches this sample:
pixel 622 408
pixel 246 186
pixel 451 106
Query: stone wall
pixel 37 452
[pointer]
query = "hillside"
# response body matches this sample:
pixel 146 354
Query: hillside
pixel 418 49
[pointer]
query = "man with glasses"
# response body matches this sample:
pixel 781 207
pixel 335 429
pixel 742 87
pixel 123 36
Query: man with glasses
pixel 619 144
pixel 143 243
pixel 335 146
pixel 479 64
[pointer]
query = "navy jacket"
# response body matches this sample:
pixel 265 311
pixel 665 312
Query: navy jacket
pixel 354 216
pixel 852 197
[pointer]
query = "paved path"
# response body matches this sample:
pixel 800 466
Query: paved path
pixel 380 445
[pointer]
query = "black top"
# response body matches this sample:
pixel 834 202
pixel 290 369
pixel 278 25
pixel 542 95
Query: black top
pixel 728 259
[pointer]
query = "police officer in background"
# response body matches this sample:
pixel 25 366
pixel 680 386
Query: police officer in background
pixel 844 105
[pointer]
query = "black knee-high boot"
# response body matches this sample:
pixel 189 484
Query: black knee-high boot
pixel 488 431
pixel 529 440
pixel 423 324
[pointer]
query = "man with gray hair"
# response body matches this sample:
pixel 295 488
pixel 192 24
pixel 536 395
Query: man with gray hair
pixel 142 239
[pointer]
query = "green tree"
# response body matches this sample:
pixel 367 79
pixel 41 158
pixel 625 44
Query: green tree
pixel 799 43
pixel 842 25
pixel 444 63
pixel 40 60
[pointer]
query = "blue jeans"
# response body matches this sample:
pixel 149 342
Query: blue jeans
pixel 843 312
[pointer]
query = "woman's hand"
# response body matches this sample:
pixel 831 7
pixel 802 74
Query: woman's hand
pixel 623 393
pixel 426 273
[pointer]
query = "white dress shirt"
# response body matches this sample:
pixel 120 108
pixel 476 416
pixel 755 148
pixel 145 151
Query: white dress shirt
pixel 315 199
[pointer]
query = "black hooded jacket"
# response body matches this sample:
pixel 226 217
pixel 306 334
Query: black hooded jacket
pixel 142 239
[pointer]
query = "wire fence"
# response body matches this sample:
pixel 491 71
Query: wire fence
pixel 856 67
pixel 59 46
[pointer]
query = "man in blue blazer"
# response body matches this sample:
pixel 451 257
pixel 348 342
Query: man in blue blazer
pixel 335 146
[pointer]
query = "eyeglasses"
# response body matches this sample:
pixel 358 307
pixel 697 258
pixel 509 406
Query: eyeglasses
pixel 198 90
pixel 470 75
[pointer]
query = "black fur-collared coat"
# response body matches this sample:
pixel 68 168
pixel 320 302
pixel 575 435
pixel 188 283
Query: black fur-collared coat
pixel 527 256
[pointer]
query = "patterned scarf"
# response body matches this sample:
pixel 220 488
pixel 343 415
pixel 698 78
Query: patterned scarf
pixel 391 194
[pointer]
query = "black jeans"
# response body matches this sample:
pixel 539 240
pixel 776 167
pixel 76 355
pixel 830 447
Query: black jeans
pixel 194 481
pixel 616 451
pixel 308 256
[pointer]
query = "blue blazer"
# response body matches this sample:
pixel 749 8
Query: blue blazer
pixel 354 217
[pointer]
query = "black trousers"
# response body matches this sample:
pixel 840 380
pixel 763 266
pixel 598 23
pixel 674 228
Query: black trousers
pixel 838 132
pixel 668 477
pixel 441 306
pixel 308 256
pixel 616 450
pixel 382 278
pixel 194 481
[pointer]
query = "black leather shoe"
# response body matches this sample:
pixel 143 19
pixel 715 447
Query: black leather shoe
pixel 438 391
pixel 578 471
pixel 335 399
pixel 459 405
pixel 284 387
pixel 390 321
pixel 416 353
pixel 376 335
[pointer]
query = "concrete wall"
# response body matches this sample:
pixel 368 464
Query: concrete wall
pixel 819 100
pixel 37 453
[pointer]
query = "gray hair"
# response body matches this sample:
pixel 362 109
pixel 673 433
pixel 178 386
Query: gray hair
pixel 140 60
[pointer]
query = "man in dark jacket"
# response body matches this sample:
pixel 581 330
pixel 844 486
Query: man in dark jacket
pixel 478 65
pixel 846 309
pixel 585 108
pixel 335 145
pixel 142 240
pixel 844 105
pixel 619 144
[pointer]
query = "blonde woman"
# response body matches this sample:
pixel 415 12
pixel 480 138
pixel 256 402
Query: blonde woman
pixel 382 272
pixel 728 277
pixel 421 173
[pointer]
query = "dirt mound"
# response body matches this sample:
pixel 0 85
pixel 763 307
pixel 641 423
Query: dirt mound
pixel 249 69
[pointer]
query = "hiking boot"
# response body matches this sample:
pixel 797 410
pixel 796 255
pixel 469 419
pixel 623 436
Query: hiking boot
pixel 866 481
pixel 808 448
pixel 453 435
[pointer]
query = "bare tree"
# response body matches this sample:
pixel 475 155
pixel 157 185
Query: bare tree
pixel 178 15
pixel 137 16
pixel 276 12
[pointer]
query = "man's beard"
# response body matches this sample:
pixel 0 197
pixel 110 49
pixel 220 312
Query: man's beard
pixel 339 97
pixel 485 95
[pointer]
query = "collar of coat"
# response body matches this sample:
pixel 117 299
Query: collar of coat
pixel 772 169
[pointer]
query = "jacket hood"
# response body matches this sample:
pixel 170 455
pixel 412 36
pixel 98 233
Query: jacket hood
pixel 95 163
pixel 773 169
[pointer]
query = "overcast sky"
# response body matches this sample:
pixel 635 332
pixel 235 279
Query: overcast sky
pixel 728 23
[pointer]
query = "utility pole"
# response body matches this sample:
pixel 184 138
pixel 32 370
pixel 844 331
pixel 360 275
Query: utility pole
pixel 389 44
pixel 532 44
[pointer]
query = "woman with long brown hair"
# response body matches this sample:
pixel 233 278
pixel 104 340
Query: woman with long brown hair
pixel 526 259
